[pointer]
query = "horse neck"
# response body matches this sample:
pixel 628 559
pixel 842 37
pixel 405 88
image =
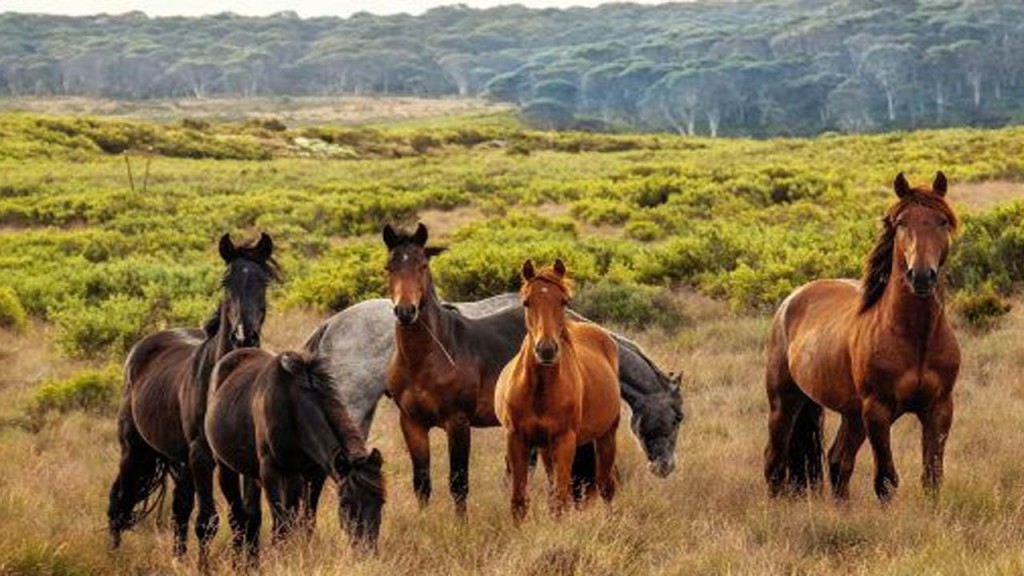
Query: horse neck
pixel 637 374
pixel 912 317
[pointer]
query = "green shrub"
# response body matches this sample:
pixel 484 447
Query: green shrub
pixel 90 390
pixel 982 308
pixel 108 328
pixel 627 305
pixel 644 230
pixel 12 314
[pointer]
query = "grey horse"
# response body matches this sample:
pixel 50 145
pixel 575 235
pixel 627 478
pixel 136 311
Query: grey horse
pixel 360 340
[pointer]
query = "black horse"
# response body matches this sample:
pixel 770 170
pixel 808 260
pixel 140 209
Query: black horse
pixel 166 377
pixel 276 421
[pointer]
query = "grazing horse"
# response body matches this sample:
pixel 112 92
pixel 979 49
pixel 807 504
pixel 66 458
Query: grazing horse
pixel 276 421
pixel 869 350
pixel 360 340
pixel 444 366
pixel 561 391
pixel 166 376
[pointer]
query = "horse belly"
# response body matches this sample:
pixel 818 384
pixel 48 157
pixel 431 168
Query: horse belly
pixel 157 415
pixel 820 366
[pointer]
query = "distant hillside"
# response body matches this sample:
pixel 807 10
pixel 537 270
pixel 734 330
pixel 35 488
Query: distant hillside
pixel 751 67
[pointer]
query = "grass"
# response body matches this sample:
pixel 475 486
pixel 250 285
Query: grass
pixel 710 516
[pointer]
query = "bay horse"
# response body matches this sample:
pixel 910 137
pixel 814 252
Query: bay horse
pixel 166 376
pixel 872 351
pixel 275 420
pixel 360 340
pixel 444 366
pixel 561 391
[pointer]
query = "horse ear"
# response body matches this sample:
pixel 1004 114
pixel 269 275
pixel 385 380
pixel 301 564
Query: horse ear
pixel 559 268
pixel 289 362
pixel 420 237
pixel 901 186
pixel 390 237
pixel 939 186
pixel 227 249
pixel 375 458
pixel 528 271
pixel 435 251
pixel 264 248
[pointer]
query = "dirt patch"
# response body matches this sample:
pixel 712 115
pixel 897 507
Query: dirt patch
pixel 980 196
pixel 442 223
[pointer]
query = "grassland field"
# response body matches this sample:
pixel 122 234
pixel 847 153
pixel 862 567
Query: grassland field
pixel 685 244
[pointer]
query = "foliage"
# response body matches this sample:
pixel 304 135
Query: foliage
pixel 980 309
pixel 92 390
pixel 755 68
pixel 744 221
pixel 12 314
pixel 630 305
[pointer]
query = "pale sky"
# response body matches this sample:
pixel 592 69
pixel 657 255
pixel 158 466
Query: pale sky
pixel 304 8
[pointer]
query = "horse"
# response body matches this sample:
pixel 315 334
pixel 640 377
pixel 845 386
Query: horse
pixel 443 369
pixel 274 419
pixel 160 420
pixel 872 351
pixel 359 342
pixel 560 391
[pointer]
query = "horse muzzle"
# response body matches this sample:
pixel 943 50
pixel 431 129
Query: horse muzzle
pixel 662 467
pixel 546 352
pixel 922 282
pixel 406 313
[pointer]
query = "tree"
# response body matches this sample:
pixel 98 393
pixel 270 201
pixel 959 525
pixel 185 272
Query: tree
pixel 892 66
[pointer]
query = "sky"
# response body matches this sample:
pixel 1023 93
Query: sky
pixel 304 8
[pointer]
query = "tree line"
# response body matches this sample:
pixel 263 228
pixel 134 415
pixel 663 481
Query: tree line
pixel 778 67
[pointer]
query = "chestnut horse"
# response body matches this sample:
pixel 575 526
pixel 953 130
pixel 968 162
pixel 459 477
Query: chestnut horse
pixel 869 350
pixel 166 375
pixel 275 420
pixel 561 391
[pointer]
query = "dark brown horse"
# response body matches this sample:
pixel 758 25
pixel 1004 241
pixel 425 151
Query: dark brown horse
pixel 561 391
pixel 166 376
pixel 444 367
pixel 275 420
pixel 871 351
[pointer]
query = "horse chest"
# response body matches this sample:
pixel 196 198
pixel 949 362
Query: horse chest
pixel 434 397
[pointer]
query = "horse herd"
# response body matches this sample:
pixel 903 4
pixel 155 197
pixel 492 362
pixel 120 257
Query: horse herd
pixel 200 403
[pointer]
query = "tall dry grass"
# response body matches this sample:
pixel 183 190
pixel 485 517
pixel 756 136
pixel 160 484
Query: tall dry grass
pixel 711 516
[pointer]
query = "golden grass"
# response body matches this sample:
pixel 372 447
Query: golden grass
pixel 710 516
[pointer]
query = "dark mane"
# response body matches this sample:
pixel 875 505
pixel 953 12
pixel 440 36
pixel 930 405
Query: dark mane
pixel 878 266
pixel 248 252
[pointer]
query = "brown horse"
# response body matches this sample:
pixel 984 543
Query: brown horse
pixel 166 375
pixel 275 420
pixel 870 351
pixel 444 367
pixel 560 392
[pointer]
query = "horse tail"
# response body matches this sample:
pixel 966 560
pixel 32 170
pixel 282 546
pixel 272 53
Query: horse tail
pixel 805 449
pixel 141 483
pixel 313 342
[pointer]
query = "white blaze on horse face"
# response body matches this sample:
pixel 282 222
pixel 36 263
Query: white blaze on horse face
pixel 239 332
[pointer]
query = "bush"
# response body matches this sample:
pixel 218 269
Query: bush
pixel 108 328
pixel 12 313
pixel 89 390
pixel 982 308
pixel 628 305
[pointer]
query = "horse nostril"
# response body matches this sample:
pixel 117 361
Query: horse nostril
pixel 933 275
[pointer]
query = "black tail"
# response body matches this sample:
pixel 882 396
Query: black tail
pixel 141 481
pixel 805 450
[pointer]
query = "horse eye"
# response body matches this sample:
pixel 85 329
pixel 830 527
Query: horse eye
pixel 943 222
pixel 900 224
pixel 526 303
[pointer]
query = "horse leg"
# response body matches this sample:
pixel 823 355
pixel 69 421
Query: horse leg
pixel 181 508
pixel 584 473
pixel 202 466
pixel 275 485
pixel 606 463
pixel 458 469
pixel 785 401
pixel 417 441
pixel 843 455
pixel 563 450
pixel 231 488
pixel 311 497
pixel 518 458
pixel 878 418
pixel 935 425
pixel 251 492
